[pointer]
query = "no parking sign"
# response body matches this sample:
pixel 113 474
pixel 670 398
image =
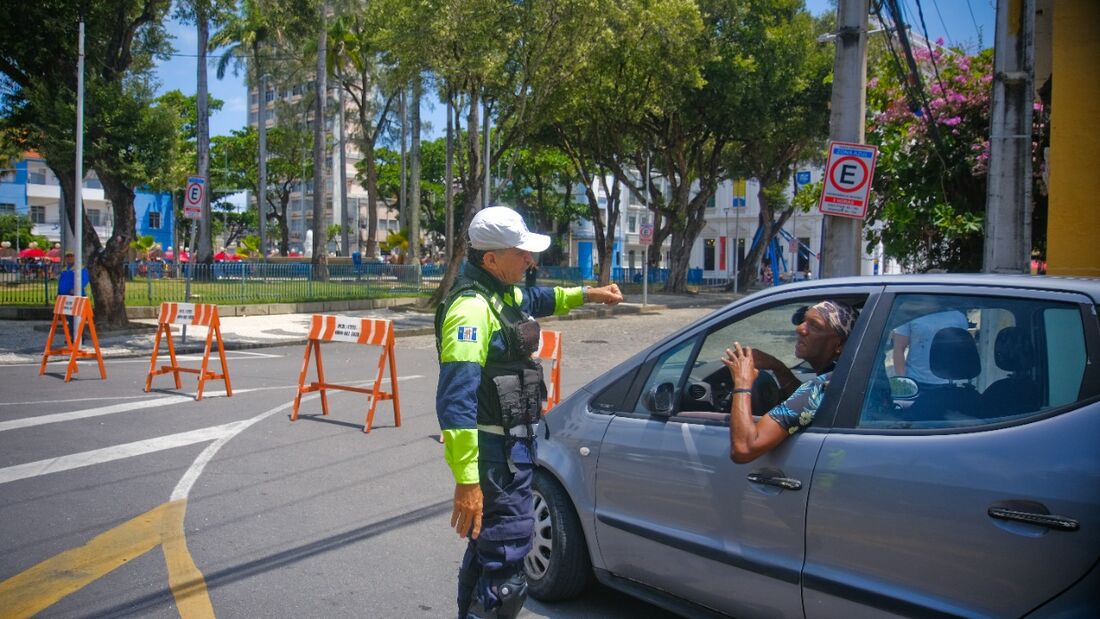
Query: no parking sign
pixel 848 177
pixel 193 197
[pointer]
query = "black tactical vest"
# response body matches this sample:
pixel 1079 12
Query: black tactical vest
pixel 511 391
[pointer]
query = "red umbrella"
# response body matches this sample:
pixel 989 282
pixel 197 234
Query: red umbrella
pixel 32 252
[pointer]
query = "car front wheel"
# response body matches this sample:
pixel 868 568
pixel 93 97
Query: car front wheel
pixel 557 567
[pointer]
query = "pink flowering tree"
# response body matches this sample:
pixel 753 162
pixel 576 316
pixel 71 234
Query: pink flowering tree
pixel 930 181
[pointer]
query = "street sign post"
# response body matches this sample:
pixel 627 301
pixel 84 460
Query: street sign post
pixel 193 197
pixel 848 175
pixel 645 234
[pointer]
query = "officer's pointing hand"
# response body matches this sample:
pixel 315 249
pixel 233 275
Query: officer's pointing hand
pixel 466 516
pixel 608 295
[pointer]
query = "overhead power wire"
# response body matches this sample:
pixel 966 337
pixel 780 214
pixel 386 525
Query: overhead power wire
pixel 974 21
pixel 931 52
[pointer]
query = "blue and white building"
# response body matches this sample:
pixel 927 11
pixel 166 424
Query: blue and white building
pixel 29 188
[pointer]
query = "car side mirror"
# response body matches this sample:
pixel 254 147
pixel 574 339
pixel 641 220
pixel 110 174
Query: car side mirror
pixel 903 388
pixel 660 399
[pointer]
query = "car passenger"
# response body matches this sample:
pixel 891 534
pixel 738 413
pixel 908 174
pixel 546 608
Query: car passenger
pixel 821 336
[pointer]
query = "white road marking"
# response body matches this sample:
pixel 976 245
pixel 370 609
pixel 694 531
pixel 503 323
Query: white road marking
pixel 230 355
pixel 114 397
pixel 117 452
pixel 220 433
pixel 149 401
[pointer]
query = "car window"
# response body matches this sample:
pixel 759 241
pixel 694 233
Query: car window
pixel 708 387
pixel 668 369
pixel 950 361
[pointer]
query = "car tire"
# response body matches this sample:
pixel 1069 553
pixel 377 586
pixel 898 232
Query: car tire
pixel 558 567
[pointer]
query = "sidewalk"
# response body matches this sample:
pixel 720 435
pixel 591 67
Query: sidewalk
pixel 22 341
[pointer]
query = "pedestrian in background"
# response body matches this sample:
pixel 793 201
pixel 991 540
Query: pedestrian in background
pixel 66 285
pixel 489 401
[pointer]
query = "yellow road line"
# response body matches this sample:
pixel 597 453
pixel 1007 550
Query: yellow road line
pixel 184 578
pixel 41 586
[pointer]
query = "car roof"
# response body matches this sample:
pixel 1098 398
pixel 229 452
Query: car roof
pixel 1084 286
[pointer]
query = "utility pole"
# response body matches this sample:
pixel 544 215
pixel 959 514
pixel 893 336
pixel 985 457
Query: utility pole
pixel 1008 191
pixel 261 194
pixel 78 190
pixel 840 245
pixel 320 98
pixel 403 196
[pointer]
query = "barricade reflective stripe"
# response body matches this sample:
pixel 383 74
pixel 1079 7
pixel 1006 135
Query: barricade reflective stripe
pixel 80 309
pixel 366 331
pixel 194 314
pixel 197 315
pixel 550 348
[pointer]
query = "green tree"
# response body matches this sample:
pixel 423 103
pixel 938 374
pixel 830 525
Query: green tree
pixel 625 97
pixel 930 177
pixel 128 138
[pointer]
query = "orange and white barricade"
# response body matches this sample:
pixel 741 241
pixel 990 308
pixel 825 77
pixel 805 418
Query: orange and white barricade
pixel 196 315
pixel 368 331
pixel 81 309
pixel 550 348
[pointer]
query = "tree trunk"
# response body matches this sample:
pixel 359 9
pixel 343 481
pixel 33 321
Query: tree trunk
pixel 472 188
pixel 320 97
pixel 372 199
pixel 107 267
pixel 205 252
pixel 448 179
pixel 280 219
pixel 414 176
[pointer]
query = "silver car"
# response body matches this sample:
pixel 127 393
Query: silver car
pixel 952 469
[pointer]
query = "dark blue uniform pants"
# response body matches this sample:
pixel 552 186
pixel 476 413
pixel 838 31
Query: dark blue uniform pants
pixel 507 525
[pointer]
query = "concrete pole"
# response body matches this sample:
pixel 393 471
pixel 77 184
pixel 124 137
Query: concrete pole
pixel 78 190
pixel 843 236
pixel 261 195
pixel 1008 192
pixel 486 195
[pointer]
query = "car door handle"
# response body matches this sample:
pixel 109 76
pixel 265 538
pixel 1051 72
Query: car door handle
pixel 1043 520
pixel 780 482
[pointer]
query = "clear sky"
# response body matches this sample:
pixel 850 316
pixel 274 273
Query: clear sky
pixel 966 23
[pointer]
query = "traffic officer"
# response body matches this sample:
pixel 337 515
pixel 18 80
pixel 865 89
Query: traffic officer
pixel 489 400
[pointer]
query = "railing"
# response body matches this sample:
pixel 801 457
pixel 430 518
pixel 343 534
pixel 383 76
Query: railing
pixel 151 282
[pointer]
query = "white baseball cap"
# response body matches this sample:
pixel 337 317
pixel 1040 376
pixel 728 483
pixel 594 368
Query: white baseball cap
pixel 499 227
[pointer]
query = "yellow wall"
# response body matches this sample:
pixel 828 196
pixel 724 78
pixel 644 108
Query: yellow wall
pixel 1073 225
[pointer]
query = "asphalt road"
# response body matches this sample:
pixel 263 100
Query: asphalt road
pixel 306 519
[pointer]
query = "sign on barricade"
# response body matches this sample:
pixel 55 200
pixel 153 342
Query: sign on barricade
pixel 80 308
pixel 195 315
pixel 550 348
pixel 366 331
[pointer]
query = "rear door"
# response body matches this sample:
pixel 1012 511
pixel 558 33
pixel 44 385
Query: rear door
pixel 674 512
pixel 990 507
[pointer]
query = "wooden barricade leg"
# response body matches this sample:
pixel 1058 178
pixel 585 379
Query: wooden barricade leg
pixel 153 360
pixel 49 343
pixel 75 349
pixel 221 353
pixel 321 384
pixel 393 382
pixel 172 356
pixel 376 390
pixel 302 379
pixel 203 371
